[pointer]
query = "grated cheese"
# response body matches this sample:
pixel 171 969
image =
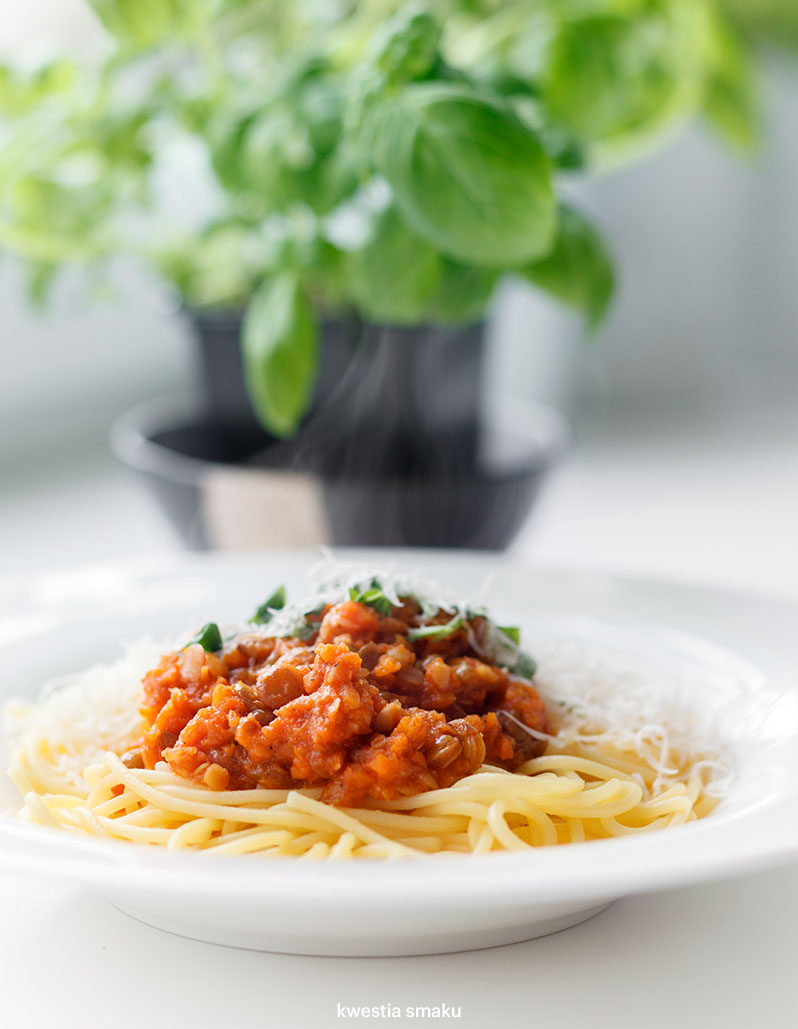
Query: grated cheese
pixel 590 701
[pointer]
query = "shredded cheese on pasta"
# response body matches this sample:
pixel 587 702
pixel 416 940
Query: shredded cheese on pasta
pixel 625 759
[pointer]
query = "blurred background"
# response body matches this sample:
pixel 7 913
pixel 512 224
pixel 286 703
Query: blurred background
pixel 683 423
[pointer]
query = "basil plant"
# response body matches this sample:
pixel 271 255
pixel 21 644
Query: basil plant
pixel 389 159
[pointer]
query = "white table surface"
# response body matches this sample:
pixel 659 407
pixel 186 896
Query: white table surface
pixel 713 503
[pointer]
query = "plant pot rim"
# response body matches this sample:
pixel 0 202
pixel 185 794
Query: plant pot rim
pixel 232 315
pixel 131 442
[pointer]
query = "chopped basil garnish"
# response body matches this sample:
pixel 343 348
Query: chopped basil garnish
pixel 209 638
pixel 497 643
pixel 307 625
pixel 525 666
pixel 276 602
pixel 304 630
pixel 372 597
pixel 436 632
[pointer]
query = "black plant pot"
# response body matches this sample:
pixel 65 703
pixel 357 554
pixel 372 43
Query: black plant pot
pixel 392 452
pixel 221 376
pixel 388 401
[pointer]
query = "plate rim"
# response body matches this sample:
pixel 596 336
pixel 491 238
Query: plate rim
pixel 661 856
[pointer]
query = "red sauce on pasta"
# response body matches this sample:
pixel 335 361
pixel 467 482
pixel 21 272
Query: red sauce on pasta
pixel 358 709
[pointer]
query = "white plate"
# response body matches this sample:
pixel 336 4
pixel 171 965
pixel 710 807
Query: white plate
pixel 736 649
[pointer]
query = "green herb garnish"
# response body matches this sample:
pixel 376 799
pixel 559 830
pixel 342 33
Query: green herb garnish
pixel 525 666
pixel 512 632
pixel 437 632
pixel 372 597
pixel 276 602
pixel 304 630
pixel 209 638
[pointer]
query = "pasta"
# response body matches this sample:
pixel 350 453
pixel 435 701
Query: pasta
pixel 550 800
pixel 591 782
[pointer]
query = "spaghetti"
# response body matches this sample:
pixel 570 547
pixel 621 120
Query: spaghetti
pixel 575 780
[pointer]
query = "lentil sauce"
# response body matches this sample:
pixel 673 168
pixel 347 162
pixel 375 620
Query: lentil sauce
pixel 358 709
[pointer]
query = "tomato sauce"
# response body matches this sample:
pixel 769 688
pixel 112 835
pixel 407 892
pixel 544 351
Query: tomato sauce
pixel 359 709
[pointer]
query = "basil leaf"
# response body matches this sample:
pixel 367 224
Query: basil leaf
pixel 209 638
pixel 41 276
pixel 578 270
pixel 462 294
pixel 436 632
pixel 225 133
pixel 223 264
pixel 40 202
pixel 394 275
pixel 467 174
pixel 276 602
pixel 608 74
pixel 373 597
pixel 22 91
pixel 731 104
pixel 140 23
pixel 280 351
pixel 289 153
pixel 497 644
pixel 525 666
pixel 304 630
pixel 407 47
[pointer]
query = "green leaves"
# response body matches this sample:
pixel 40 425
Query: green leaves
pixel 394 275
pixel 466 173
pixel 280 146
pixel 372 597
pixel 731 104
pixel 578 270
pixel 276 602
pixel 280 351
pixel 21 92
pixel 209 638
pixel 39 200
pixel 525 666
pixel 50 222
pixel 220 270
pixel 304 630
pixel 611 77
pixel 280 163
pixel 462 294
pixel 398 278
pixel 139 23
pixel 455 114
pixel 407 47
pixel 437 632
pixel 501 644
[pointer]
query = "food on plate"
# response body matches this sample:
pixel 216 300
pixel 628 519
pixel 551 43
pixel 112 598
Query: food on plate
pixel 370 719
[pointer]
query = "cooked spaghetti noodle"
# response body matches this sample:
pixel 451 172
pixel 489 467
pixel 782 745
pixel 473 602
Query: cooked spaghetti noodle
pixel 597 788
pixel 595 780
pixel 550 800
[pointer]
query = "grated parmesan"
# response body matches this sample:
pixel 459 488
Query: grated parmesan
pixel 593 700
pixel 84 715
pixel 589 700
